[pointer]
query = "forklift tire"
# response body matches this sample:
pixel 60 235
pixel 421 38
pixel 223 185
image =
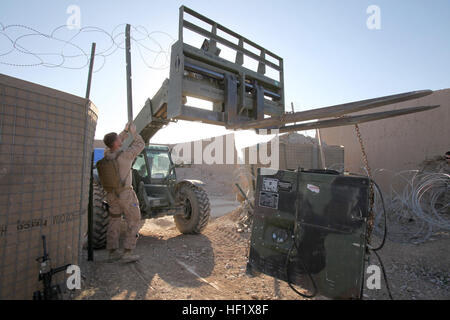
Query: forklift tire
pixel 100 217
pixel 197 210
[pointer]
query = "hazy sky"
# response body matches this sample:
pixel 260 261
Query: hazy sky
pixel 330 55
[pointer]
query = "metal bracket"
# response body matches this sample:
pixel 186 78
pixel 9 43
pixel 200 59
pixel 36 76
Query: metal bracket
pixel 258 103
pixel 231 98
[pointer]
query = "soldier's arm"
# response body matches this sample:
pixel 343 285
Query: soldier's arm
pixel 126 132
pixel 135 148
pixel 123 135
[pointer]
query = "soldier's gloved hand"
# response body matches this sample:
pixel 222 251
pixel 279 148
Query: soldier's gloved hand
pixel 127 127
pixel 132 129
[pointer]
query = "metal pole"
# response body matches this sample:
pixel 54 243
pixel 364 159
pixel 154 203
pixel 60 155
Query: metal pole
pixel 128 60
pixel 91 67
pixel 322 154
pixel 293 109
pixel 91 213
pixel 91 187
pixel 243 194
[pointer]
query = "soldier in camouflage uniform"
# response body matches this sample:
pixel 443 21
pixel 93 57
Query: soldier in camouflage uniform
pixel 126 202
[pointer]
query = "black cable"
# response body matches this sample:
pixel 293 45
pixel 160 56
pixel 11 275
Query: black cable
pixel 383 240
pixel 384 215
pixel 294 244
pixel 384 275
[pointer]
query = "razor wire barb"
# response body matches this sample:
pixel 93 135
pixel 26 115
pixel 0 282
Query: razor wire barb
pixel 144 41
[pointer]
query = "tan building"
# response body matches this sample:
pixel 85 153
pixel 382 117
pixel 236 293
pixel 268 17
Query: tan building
pixel 212 161
pixel 296 151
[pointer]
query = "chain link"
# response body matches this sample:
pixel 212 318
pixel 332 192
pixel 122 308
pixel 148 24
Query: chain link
pixel 370 222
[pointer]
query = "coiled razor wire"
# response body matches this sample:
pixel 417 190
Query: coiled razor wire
pixel 62 50
pixel 419 211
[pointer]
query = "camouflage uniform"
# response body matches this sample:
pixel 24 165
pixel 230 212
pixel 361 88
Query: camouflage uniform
pixel 126 202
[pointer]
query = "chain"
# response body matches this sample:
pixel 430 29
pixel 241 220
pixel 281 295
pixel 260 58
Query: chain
pixel 251 209
pixel 370 222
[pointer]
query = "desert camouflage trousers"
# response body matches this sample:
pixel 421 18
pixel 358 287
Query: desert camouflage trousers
pixel 126 203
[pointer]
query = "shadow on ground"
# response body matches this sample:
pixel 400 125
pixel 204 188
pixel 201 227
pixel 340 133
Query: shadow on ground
pixel 182 261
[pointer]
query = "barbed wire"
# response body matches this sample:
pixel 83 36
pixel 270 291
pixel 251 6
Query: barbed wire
pixel 63 50
pixel 416 201
pixel 419 209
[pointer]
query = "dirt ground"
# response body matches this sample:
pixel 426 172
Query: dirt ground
pixel 174 266
pixel 212 266
pixel 415 271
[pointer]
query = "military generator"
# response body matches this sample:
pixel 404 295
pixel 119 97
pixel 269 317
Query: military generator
pixel 309 229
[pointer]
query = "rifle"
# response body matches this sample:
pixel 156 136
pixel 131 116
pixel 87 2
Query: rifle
pixel 46 272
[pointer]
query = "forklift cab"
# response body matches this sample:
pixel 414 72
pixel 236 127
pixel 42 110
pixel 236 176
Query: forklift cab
pixel 154 179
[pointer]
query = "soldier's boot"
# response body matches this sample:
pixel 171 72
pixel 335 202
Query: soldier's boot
pixel 129 257
pixel 114 255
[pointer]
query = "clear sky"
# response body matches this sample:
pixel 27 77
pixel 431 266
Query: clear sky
pixel 330 55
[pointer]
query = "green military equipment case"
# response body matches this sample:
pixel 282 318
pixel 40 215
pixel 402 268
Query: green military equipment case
pixel 310 229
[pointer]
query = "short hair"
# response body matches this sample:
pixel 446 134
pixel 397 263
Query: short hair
pixel 109 139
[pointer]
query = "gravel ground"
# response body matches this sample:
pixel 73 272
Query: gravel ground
pixel 415 272
pixel 212 266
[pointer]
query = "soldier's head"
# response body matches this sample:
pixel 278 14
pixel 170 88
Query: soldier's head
pixel 447 157
pixel 113 141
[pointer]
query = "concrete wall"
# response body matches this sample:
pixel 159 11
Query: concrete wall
pixel 400 143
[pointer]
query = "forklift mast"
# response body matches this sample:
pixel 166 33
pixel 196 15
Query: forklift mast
pixel 241 98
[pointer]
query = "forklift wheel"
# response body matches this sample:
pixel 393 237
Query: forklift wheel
pixel 196 210
pixel 101 218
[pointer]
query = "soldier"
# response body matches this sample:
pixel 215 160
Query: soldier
pixel 124 200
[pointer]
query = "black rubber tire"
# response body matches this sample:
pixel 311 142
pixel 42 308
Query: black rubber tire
pixel 100 217
pixel 200 212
